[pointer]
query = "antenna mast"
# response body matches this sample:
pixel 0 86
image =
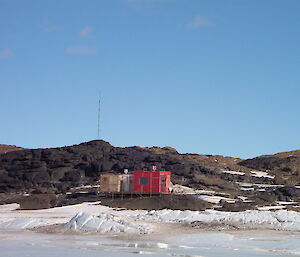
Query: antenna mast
pixel 98 134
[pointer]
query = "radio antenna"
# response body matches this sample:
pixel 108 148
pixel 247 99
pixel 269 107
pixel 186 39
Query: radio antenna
pixel 99 102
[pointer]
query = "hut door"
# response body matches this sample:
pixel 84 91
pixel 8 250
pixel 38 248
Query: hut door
pixel 162 183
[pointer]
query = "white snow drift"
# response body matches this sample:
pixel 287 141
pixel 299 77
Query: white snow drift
pixel 279 220
pixel 104 223
pixel 23 223
pixel 93 217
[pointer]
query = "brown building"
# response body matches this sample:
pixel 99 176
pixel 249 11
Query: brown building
pixel 110 183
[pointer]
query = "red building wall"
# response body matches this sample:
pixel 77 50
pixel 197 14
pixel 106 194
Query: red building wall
pixel 152 181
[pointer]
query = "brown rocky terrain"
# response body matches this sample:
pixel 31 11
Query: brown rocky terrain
pixel 9 148
pixel 285 166
pixel 263 180
pixel 61 168
pixel 180 202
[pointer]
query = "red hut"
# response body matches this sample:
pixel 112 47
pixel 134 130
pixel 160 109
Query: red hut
pixel 152 181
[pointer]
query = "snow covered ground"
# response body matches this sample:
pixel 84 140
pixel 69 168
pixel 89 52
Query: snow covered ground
pixel 105 223
pixel 278 220
pixel 232 172
pixel 261 174
pixel 93 217
pixel 88 217
pixel 16 241
pixel 257 187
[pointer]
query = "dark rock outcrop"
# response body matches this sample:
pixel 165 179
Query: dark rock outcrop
pixel 65 167
pixel 175 202
pixel 285 166
pixel 56 170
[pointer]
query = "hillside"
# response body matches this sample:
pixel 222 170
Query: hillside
pixel 65 167
pixel 246 183
pixel 285 166
pixel 9 148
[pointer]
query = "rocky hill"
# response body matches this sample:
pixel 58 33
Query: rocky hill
pixel 262 180
pixel 62 168
pixel 9 148
pixel 285 166
pixel 71 166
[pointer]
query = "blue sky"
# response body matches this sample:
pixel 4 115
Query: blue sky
pixel 208 77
